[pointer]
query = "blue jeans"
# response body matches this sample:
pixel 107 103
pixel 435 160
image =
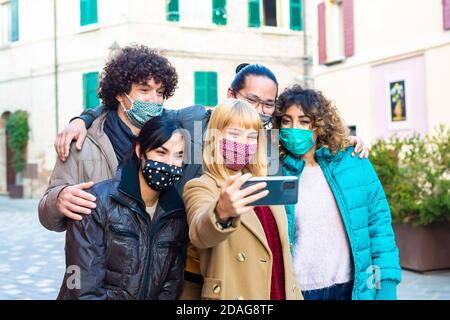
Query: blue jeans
pixel 341 291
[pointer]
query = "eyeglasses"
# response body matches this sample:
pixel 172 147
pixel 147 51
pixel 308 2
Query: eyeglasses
pixel 267 107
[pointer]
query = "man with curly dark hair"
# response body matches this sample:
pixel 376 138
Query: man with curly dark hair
pixel 137 65
pixel 133 87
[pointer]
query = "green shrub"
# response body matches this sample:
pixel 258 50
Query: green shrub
pixel 18 130
pixel 415 173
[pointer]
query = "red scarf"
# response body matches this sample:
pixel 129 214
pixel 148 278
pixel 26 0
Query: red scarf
pixel 265 216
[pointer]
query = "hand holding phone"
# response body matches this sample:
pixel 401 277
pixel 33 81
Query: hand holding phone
pixel 283 190
pixel 234 200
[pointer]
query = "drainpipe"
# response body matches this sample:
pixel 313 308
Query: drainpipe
pixel 55 64
pixel 307 59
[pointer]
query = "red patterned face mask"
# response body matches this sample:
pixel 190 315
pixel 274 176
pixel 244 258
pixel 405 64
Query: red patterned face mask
pixel 236 154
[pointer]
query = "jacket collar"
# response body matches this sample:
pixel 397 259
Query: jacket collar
pixel 326 155
pixel 292 165
pixel 129 181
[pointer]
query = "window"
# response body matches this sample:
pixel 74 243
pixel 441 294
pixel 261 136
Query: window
pixel 446 8
pixel 14 20
pixel 254 16
pixel 206 88
pixel 219 12
pixel 352 130
pixel 322 43
pixel 296 15
pixel 173 10
pixel 5 26
pixel 349 37
pixel 9 21
pixel 270 13
pixel 88 12
pixel 336 31
pixel 336 28
pixel 90 87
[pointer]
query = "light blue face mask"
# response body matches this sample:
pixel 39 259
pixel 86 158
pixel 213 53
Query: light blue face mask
pixel 296 141
pixel 142 111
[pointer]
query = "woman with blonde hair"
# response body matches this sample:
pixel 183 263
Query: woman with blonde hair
pixel 340 229
pixel 243 250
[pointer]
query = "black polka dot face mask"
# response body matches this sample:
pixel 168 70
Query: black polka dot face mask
pixel 159 175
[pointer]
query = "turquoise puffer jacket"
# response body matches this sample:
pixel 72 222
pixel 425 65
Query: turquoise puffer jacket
pixel 366 215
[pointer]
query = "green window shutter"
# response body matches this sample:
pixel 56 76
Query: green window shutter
pixel 206 88
pixel 90 87
pixel 173 10
pixel 201 83
pixel 219 12
pixel 254 14
pixel 14 35
pixel 212 89
pixel 296 15
pixel 88 12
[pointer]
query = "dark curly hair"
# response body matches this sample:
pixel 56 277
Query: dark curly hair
pixel 135 64
pixel 330 128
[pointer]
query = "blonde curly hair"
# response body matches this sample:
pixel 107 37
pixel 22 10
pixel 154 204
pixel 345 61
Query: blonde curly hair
pixel 331 130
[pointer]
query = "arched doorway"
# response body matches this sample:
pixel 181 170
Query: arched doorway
pixel 6 173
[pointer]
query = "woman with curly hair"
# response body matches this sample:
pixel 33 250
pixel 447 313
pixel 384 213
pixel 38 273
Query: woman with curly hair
pixel 340 231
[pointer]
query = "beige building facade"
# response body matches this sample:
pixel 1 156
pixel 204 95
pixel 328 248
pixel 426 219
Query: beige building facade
pixel 51 52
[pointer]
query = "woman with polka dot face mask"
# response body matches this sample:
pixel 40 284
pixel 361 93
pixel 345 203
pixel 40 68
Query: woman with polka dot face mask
pixel 133 244
pixel 159 175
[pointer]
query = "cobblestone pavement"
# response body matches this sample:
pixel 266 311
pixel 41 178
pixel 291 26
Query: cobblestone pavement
pixel 32 260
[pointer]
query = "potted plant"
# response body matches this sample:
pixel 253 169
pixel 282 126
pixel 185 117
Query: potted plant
pixel 415 173
pixel 17 130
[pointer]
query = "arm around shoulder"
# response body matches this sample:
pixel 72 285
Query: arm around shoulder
pixel 64 174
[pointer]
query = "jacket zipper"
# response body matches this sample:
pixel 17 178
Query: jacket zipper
pixel 342 208
pixel 153 231
pixel 153 228
pixel 169 244
pixel 149 225
pixel 122 232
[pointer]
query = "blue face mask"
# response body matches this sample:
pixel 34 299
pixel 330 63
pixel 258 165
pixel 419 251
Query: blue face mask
pixel 142 111
pixel 266 120
pixel 296 141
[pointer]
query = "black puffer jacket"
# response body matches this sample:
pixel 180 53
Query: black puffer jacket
pixel 119 251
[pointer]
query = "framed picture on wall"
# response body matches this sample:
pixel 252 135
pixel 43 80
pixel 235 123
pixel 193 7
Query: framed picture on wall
pixel 397 101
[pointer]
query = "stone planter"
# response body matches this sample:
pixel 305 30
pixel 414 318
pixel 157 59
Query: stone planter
pixel 15 191
pixel 424 248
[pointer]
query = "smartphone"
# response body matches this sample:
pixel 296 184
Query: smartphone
pixel 282 190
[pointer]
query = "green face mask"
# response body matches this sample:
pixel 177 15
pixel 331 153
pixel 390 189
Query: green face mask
pixel 296 141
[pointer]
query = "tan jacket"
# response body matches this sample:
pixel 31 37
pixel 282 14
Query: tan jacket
pixel 95 162
pixel 236 263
